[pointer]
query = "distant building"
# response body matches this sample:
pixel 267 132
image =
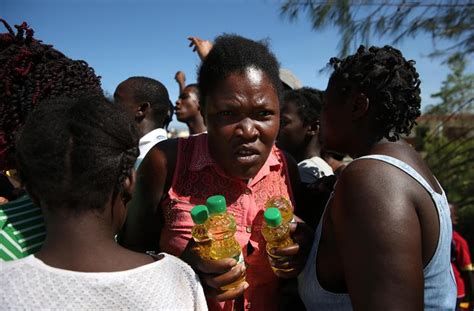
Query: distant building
pixel 449 126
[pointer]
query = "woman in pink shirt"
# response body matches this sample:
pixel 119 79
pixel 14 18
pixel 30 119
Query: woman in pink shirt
pixel 240 94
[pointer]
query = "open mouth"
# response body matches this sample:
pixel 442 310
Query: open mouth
pixel 246 155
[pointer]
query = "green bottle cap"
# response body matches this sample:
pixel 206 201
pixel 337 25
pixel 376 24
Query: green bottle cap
pixel 199 214
pixel 216 204
pixel 272 217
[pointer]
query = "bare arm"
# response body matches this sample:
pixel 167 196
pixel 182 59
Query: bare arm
pixel 142 228
pixel 180 77
pixel 378 236
pixel 202 47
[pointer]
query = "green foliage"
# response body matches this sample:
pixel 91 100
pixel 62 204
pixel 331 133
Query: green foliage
pixel 457 91
pixel 451 157
pixel 359 20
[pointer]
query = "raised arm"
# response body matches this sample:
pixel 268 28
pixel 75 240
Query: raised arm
pixel 142 228
pixel 378 237
pixel 180 77
pixel 202 47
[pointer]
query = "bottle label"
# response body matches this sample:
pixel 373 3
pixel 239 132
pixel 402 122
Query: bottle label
pixel 239 258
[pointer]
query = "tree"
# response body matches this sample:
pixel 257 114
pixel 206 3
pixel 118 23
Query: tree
pixel 359 20
pixel 457 91
pixel 451 158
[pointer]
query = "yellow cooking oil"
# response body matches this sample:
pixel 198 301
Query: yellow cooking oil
pixel 276 232
pixel 283 205
pixel 200 215
pixel 221 228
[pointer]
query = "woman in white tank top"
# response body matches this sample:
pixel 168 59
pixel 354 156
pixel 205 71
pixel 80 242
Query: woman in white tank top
pixel 383 242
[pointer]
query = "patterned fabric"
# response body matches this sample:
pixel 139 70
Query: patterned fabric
pixel 22 229
pixel 196 178
pixel 439 285
pixel 167 284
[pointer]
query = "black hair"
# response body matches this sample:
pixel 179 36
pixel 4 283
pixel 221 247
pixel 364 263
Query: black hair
pixel 30 72
pixel 195 87
pixel 308 102
pixel 146 89
pixel 74 153
pixel 234 54
pixel 391 84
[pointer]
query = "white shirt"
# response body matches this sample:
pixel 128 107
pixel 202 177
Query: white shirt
pixel 148 141
pixel 167 284
pixel 313 168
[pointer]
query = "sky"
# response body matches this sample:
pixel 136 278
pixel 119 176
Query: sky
pixel 123 38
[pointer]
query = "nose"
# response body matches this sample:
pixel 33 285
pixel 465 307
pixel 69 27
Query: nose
pixel 247 129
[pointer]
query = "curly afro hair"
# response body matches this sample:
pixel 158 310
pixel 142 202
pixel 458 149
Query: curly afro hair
pixel 30 72
pixel 234 54
pixel 389 81
pixel 308 101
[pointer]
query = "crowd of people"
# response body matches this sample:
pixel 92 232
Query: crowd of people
pixel 96 199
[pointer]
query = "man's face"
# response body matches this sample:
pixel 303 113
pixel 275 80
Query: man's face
pixel 187 105
pixel 292 128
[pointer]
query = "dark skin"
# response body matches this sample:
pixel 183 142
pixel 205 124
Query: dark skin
pixel 188 110
pixel 298 138
pixel 142 112
pixel 242 114
pixel 68 242
pixel 381 227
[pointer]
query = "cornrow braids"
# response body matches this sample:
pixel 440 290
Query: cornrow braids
pixel 389 81
pixel 31 72
pixel 74 153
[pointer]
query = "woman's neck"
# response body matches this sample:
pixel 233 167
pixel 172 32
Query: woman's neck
pixel 78 242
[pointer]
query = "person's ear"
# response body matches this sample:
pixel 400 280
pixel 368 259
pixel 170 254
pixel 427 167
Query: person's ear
pixel 142 110
pixel 313 128
pixel 360 106
pixel 129 185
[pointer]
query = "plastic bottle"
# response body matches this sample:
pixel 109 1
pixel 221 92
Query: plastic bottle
pixel 276 232
pixel 221 228
pixel 200 214
pixel 283 205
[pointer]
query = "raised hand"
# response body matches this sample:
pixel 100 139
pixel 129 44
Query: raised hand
pixel 202 47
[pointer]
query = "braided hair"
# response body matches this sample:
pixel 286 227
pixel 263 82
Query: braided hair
pixel 390 82
pixel 74 153
pixel 308 102
pixel 30 72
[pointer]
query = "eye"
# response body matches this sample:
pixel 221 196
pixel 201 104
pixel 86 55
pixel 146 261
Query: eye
pixel 284 122
pixel 265 113
pixel 225 113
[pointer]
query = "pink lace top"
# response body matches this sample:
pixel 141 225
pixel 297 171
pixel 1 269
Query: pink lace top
pixel 197 177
